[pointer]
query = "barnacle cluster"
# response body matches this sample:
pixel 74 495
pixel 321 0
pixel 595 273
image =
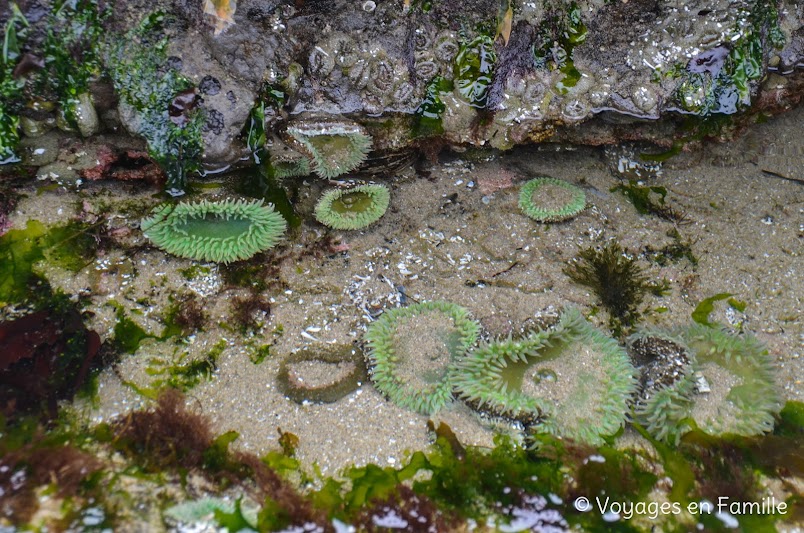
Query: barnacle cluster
pixel 412 351
pixel 354 208
pixel 226 231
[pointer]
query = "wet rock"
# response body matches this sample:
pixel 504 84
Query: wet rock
pixel 625 70
pixel 39 151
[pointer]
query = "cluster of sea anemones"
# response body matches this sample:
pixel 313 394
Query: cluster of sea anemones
pixel 571 380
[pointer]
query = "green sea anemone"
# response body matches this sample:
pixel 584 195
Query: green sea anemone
pixel 322 375
pixel 413 349
pixel 335 146
pixel 735 387
pixel 354 208
pixel 667 383
pixel 291 168
pixel 571 381
pixel 547 199
pixel 223 232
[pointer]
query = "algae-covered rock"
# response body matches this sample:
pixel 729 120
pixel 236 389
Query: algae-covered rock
pixel 481 73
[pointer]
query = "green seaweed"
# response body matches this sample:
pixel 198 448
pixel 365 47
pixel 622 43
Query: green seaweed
pixel 137 64
pixel 429 112
pixel 180 372
pixel 727 89
pixel 642 197
pixel 473 69
pixel 262 183
pixel 617 280
pixel 707 306
pixel 70 246
pixel 11 87
pixel 127 334
pixel 460 482
pixel 559 34
pixel 72 54
pixel 671 253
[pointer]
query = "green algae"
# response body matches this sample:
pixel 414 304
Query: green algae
pixel 473 69
pixel 71 246
pixel 72 54
pixel 719 80
pixel 673 252
pixel 430 110
pixel 11 87
pixel 181 371
pixel 642 197
pixel 707 306
pixel 618 281
pixel 137 64
pixel 559 34
pixel 461 482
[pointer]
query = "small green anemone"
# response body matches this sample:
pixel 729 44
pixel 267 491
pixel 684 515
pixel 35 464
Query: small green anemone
pixel 335 146
pixel 735 387
pixel 572 381
pixel 546 199
pixel 413 349
pixel 222 232
pixel 355 208
pixel 667 383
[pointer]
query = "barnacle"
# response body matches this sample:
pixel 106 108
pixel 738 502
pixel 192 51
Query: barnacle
pixel 343 49
pixel 335 146
pixel 446 47
pixel 412 349
pixel 321 61
pixel 355 208
pixel 223 232
pixel 426 69
pixel 551 200
pixel 571 381
pixel 382 77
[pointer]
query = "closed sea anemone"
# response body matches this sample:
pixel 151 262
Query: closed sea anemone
pixel 322 375
pixel 355 208
pixel 335 146
pixel 547 199
pixel 223 232
pixel 735 390
pixel 667 383
pixel 412 351
pixel 571 381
